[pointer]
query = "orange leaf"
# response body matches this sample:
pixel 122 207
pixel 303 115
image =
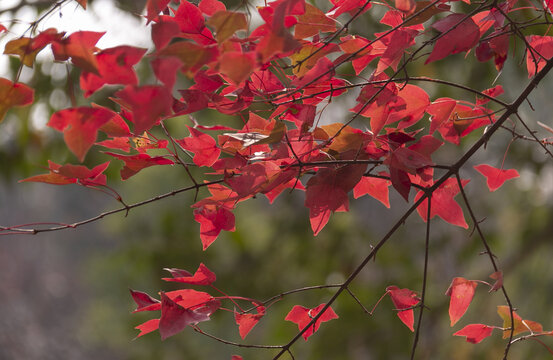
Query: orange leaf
pixel 13 95
pixel 520 325
pixel 226 23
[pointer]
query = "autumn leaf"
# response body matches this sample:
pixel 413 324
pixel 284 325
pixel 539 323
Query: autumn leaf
pixel 202 145
pixel 327 192
pixel 174 318
pixel 520 325
pixel 226 23
pixel 443 203
pixel 202 276
pixel 246 322
pixel 146 113
pixel 80 127
pixel 114 67
pixel 143 300
pixel 303 316
pixel 80 47
pixel 375 187
pixel 496 177
pixel 404 299
pixel 461 292
pixel 460 34
pixel 213 219
pixel 475 332
pixel 12 95
pixel 71 174
pixel 135 163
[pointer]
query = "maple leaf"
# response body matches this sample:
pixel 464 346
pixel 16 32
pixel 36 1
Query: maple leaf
pixel 135 163
pixel 80 127
pixel 71 174
pixel 404 299
pixel 443 204
pixel 246 322
pixel 461 34
pixel 226 23
pixel 327 192
pixel 174 318
pixel 114 67
pixel 375 187
pixel 27 48
pixel 147 327
pixel 475 332
pixel 154 7
pixel 146 113
pixel 520 325
pixel 143 300
pixel 213 219
pixel 202 276
pixel 303 316
pixel 237 66
pixel 80 47
pixel 13 94
pixel 496 177
pixel 202 145
pixel 540 50
pixel 461 292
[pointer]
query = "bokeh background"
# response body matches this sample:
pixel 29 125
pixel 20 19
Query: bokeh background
pixel 64 295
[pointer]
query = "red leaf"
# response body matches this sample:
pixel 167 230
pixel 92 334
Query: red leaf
pixel 213 219
pixel 461 292
pixel 498 284
pixel 147 327
pixel 520 324
pixel 202 145
pixel 154 7
pixel 80 47
pixel 174 318
pixel 237 66
pixel 70 174
pixel 246 322
pixel 146 113
pixel 13 95
pixel 375 187
pixel 166 69
pixel 327 192
pixel 115 66
pixel 496 177
pixel 443 204
pixel 404 299
pixel 475 332
pixel 142 300
pixel 80 127
pixel 236 357
pixel 202 276
pixel 540 50
pixel 303 316
pixel 135 163
pixel 210 7
pixel 462 35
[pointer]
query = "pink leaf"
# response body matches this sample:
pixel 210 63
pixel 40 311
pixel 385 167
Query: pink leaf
pixel 496 177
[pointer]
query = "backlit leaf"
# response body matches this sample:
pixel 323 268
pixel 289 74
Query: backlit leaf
pixel 496 177
pixel 303 316
pixel 461 292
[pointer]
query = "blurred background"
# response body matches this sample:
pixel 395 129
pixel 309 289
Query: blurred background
pixel 64 295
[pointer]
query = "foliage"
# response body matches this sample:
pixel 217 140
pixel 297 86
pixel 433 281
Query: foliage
pixel 272 82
